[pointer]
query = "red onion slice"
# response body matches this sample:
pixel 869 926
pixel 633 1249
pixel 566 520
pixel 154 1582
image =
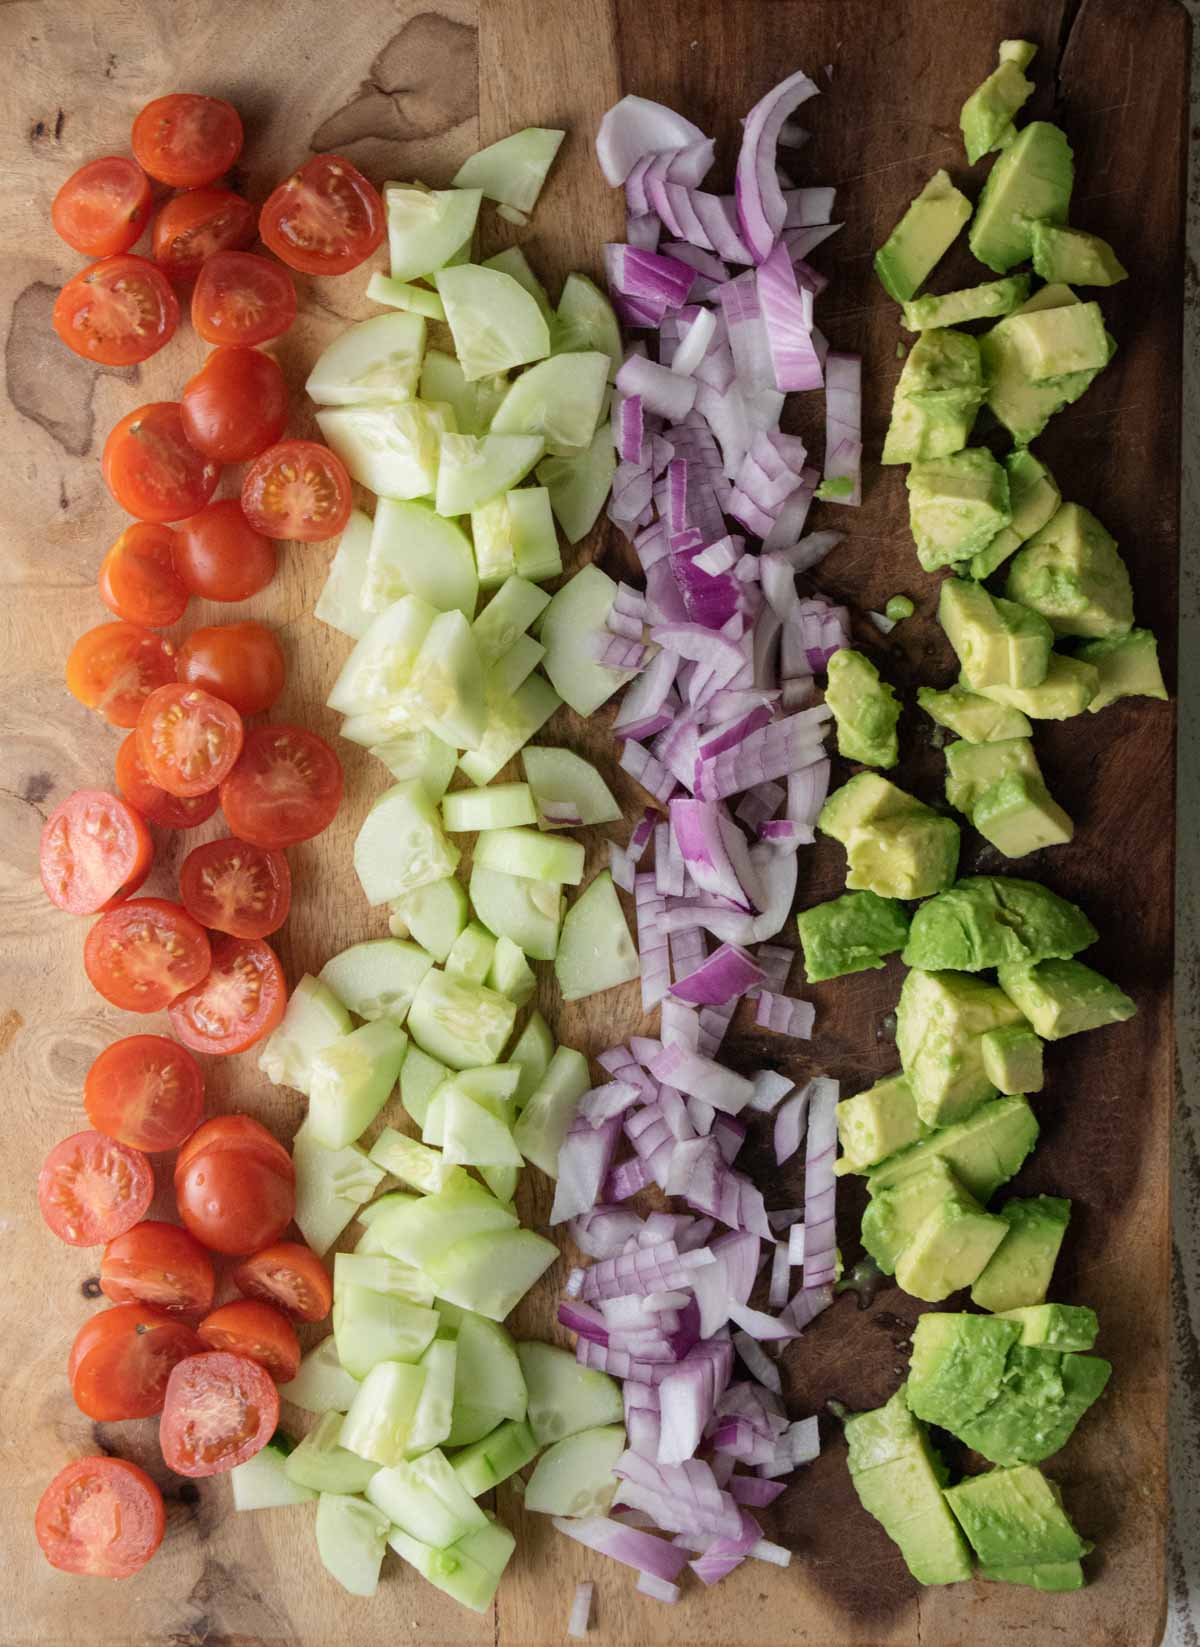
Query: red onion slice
pixel 761 207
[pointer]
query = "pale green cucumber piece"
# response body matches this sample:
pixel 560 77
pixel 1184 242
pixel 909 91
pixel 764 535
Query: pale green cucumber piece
pixel 532 1052
pixel 489 1386
pixel 436 914
pixel 375 1326
pixel 575 1476
pixel 500 807
pixel 380 1418
pixel 351 1539
pixel 577 612
pixel 513 669
pixel 426 227
pixel 512 261
pixel 261 1483
pixel 421 756
pixel 461 1024
pixel 510 973
pixel 431 1421
pixel 513 906
pixel 391 450
pixel 512 719
pixel 410 1162
pixel 559 399
pixel 314 1019
pixel 401 294
pixel 418 1233
pixel 475 468
pixel 492 1273
pixel 531 855
pixel 473 403
pixel 372 362
pixel 420 1077
pixel 375 1210
pixel 542 1126
pixel 352 1081
pixel 469 1571
pixel 331 1185
pixel 585 320
pixel 370 1245
pixel 495 323
pixel 400 845
pixel 446 686
pixel 506 617
pixel 514 169
pixel 563 1397
pixel 563 777
pixel 491 1460
pixel 502 1181
pixel 321 1383
pixel 379 1272
pixel 322 1464
pixel 579 485
pixel 377 672
pixel 378 978
pixel 492 1085
pixel 340 603
pixel 531 530
pixel 379 726
pixel 595 950
pixel 474 1137
pixel 492 537
pixel 471 956
pixel 416 551
pixel 425 1499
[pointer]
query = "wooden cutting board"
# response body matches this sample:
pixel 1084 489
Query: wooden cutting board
pixel 407 91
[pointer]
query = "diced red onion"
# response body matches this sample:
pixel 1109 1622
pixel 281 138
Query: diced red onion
pixel 795 1246
pixel 694 345
pixel 785 1016
pixel 650 773
pixel 629 427
pixel 635 127
pixel 787 314
pixel 781 1275
pixel 754 1490
pixel 580 1617
pixel 761 207
pixel 583 1164
pixel 820 1183
pixel 621 866
pixel 625 1544
pixel 726 975
pixel 759 1325
pixel 703 1078
pixel 774 751
pixel 789 1126
pixel 662 391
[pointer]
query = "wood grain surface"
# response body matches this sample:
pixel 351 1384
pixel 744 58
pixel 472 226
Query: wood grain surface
pixel 409 91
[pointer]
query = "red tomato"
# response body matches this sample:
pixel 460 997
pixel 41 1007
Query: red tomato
pixel 154 804
pixel 236 405
pixel 91 1188
pixel 158 1264
pixel 138 580
pixel 247 1327
pixel 240 298
pixel 298 489
pixel 152 470
pixel 146 1091
pixel 234 1200
pixel 186 140
pixel 143 954
pixel 220 1410
pixel 240 1000
pixel 95 852
pixel 290 1276
pixel 102 208
pixel 188 740
pixel 240 663
pixel 286 787
pixel 234 887
pixel 324 219
pixel 220 556
pixel 100 1516
pixel 236 1132
pixel 122 1358
pixel 194 225
pixel 114 668
pixel 117 312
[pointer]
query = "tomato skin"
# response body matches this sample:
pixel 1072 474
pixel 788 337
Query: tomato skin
pixel 236 405
pixel 290 1276
pixel 187 140
pixel 241 999
pixel 138 580
pixel 248 1327
pixel 100 1516
pixel 231 886
pixel 298 489
pixel 154 804
pixel 188 739
pixel 160 1265
pixel 240 663
pixel 151 468
pixel 95 852
pixel 220 1410
pixel 220 556
pixel 234 1200
pixel 91 1188
pixel 114 668
pixel 122 1358
pixel 242 299
pixel 197 223
pixel 236 1132
pixel 324 219
pixel 146 1091
pixel 143 954
pixel 285 788
pixel 117 312
pixel 102 208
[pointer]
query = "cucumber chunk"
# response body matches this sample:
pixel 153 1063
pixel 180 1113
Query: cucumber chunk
pixel 585 320
pixel 261 1483
pixel 491 535
pixel 416 551
pixel 431 1422
pixel 420 1077
pixel 321 1383
pixel 501 806
pixel 512 261
pixel 532 1053
pixel 460 1023
pixel 575 1476
pixel 565 1398
pixel 531 529
pixel 595 950
pixel 495 323
pixel 560 777
pixel 379 1272
pixel 418 755
pixel 512 906
pixel 400 846
pixel 340 603
pixel 577 612
pixel 446 687
pixel 472 403
pixel 372 1213
pixel 514 668
pixel 380 1418
pixel 391 450
pixel 542 1126
pixel 410 1162
pixel 426 227
pixel 472 469
pixel 322 1464
pixel 379 726
pixel 510 973
pixel 314 1019
pixel 331 1185
pixel 514 169
pixel 489 1386
pixel 374 1326
pixel 377 672
pixel 579 485
pixel 502 1181
pixel 416 1234
pixel 506 617
pixel 425 1499
pixel 469 1571
pixel 351 1539
pixel 492 1273
pixel 512 719
pixel 530 855
pixel 401 294
pixel 471 956
pixel 474 1137
pixel 559 399
pixel 436 914
pixel 486 1463
pixel 377 979
pixel 352 1080
pixel 371 363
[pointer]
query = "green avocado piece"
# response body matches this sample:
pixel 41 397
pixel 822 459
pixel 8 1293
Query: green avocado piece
pixel 898 1476
pixel 956 505
pixel 940 1019
pixel 1056 343
pixel 1019 1271
pixel 864 708
pixel 876 1123
pixel 1015 1518
pixel 1071 255
pixel 850 934
pixel 972 768
pixel 1070 572
pixel 892 1216
pixel 1064 997
pixel 1042 1399
pixel 985 920
pixel 922 237
pixel 863 800
pixel 971 716
pixel 987 115
pixel 1018 814
pixel 1055 1326
pixel 938 392
pixel 1033 496
pixel 910 856
pixel 999 644
pixel 984 1151
pixel 957 1366
pixel 1067 688
pixel 1012 1058
pixel 1127 666
pixel 1050 1576
pixel 950 1247
pixel 986 302
pixel 1032 180
pixel 1023 407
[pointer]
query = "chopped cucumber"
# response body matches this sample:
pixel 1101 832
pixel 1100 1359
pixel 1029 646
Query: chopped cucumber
pixel 585 320
pixel 377 979
pixel 473 403
pixel 491 534
pixel 400 294
pixel 531 529
pixel 391 450
pixel 380 1418
pixel 492 1085
pixel 377 726
pixel 314 1019
pixel 514 668
pixel 531 855
pixel 261 1483
pixel 420 1077
pixel 460 1023
pixel 495 323
pixel 376 673
pixel 340 603
pixel 446 688
pixel 425 1499
pixel 502 1181
pixel 416 1234
pixel 578 611
pixel 400 845
pixel 421 756
pixel 492 1273
pixel 371 363
pixel 321 1384
pixel 426 227
pixel 331 1185
pixel 379 1272
pixel 512 261
pixel 542 1126
pixel 501 806
pixel 410 1162
pixel 474 468
pixel 431 1421
pixel 352 1080
pixel 321 1463
pixel 436 914
pixel 579 485
pixel 512 906
pixel 489 1386
pixel 514 169
pixel 471 956
pixel 532 1053
pixel 372 1213
pixel 375 1326
pixel 486 1463
pixel 469 1571
pixel 474 1137
pixel 575 1476
pixel 565 1398
pixel 416 551
pixel 512 719
pixel 351 1539
pixel 559 399
pixel 563 778
pixel 510 973
pixel 595 951
pixel 507 616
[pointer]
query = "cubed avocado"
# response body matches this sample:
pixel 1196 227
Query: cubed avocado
pixel 1070 572
pixel 949 1248
pixel 1055 343
pixel 863 800
pixel 893 1215
pixel 957 1366
pixel 1015 1517
pixel 1020 1269
pixel 1052 1577
pixel 1127 666
pixel 1012 1058
pixel 940 1018
pixel 1018 814
pixel 972 768
pixel 922 237
pixel 1033 496
pixel 1059 1327
pixel 986 302
pixel 987 115
pixel 984 1151
pixel 1031 180
pixel 1042 1399
pixel 1024 407
pixel 1063 997
pixel 974 718
pixel 956 505
pixel 850 934
pixel 937 395
pixel 912 855
pixel 999 644
pixel 876 1123
pixel 1071 255
pixel 1048 297
pixel 864 708
pixel 984 921
pixel 1067 688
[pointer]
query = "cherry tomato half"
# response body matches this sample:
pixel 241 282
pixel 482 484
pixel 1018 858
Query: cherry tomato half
pixel 154 804
pixel 236 1132
pixel 298 489
pixel 100 1516
pixel 194 225
pixel 240 298
pixel 158 1264
pixel 286 787
pixel 102 208
pixel 152 469
pixel 249 1327
pixel 138 580
pixel 144 953
pixel 240 663
pixel 220 1410
pixel 290 1276
pixel 146 1091
pixel 91 1188
pixel 236 405
pixel 114 668
pixel 186 140
pixel 117 312
pixel 95 852
pixel 122 1358
pixel 234 1200
pixel 232 886
pixel 220 556
pixel 324 219
pixel 188 740
pixel 241 999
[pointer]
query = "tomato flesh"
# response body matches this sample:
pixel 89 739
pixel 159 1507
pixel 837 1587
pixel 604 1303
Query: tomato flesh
pixel 220 1410
pixel 158 1264
pixel 249 1327
pixel 95 852
pixel 114 668
pixel 187 140
pixel 220 556
pixel 235 887
pixel 298 489
pixel 324 219
pixel 286 787
pixel 146 1091
pixel 102 208
pixel 144 953
pixel 192 226
pixel 138 580
pixel 236 1132
pixel 117 312
pixel 100 1516
pixel 236 405
pixel 122 1358
pixel 290 1276
pixel 154 804
pixel 240 298
pixel 91 1188
pixel 234 1200
pixel 240 1000
pixel 240 663
pixel 152 469
pixel 188 740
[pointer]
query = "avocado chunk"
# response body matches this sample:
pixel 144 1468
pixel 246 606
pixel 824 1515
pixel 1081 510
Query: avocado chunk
pixel 974 718
pixel 1019 1271
pixel 1012 1058
pixel 911 856
pixel 1015 1518
pixel 1055 343
pixel 1051 1576
pixel 1042 1399
pixel 985 302
pixel 1055 1326
pixel 863 800
pixel 940 1019
pixel 972 768
pixel 1127 666
pixel 864 708
pixel 999 644
pixel 1032 180
pixel 850 934
pixel 1063 997
pixel 898 1476
pixel 1018 814
pixel 949 1249
pixel 876 1123
pixel 922 237
pixel 956 505
pixel 1067 688
pixel 938 392
pixel 987 115
pixel 1072 574
pixel 1073 256
pixel 1033 496
pixel 983 1152
pixel 893 1216
pixel 986 920
pixel 1024 407
pixel 957 1367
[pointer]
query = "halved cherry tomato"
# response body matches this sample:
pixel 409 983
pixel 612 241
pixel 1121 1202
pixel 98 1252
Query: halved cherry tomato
pixel 100 1516
pixel 144 953
pixel 240 1000
pixel 286 787
pixel 122 1358
pixel 290 1276
pixel 154 804
pixel 240 663
pixel 324 219
pixel 236 1132
pixel 236 405
pixel 145 1090
pixel 117 312
pixel 95 852
pixel 233 1197
pixel 152 469
pixel 114 668
pixel 248 1327
pixel 194 225
pixel 102 208
pixel 186 140
pixel 220 556
pixel 298 489
pixel 188 739
pixel 138 580
pixel 220 1410
pixel 232 886
pixel 91 1188
pixel 240 298
pixel 158 1264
